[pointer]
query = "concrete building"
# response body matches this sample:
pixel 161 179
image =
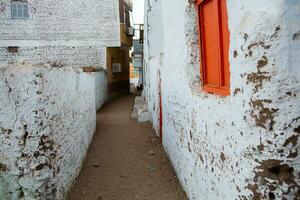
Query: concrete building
pixel 138 53
pixel 225 98
pixel 72 32
pixel 136 76
pixel 118 58
pixel 48 100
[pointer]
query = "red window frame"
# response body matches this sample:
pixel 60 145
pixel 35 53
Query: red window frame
pixel 218 21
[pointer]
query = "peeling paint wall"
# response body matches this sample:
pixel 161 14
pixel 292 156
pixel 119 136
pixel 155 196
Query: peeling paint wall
pixel 47 121
pixel 246 145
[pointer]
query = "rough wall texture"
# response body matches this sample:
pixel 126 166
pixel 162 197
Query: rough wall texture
pixel 64 23
pixel 117 83
pixel 154 54
pixel 72 32
pixel 84 56
pixel 246 145
pixel 100 88
pixel 47 120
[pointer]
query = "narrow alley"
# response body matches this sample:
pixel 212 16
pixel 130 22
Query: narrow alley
pixel 87 86
pixel 125 160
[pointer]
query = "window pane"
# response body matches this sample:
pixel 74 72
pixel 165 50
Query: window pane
pixel 14 13
pixel 25 9
pixel 20 11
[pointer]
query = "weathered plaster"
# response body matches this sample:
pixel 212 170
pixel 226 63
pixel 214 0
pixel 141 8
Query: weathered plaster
pixel 244 146
pixel 47 120
pixel 100 88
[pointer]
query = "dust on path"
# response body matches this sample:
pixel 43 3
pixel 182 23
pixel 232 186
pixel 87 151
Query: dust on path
pixel 125 160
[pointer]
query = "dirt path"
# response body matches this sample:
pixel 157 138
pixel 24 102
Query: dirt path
pixel 125 161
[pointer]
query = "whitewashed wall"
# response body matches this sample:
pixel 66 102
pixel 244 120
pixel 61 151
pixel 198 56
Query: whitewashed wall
pixel 72 32
pixel 62 23
pixel 47 121
pixel 83 56
pixel 244 146
pixel 100 88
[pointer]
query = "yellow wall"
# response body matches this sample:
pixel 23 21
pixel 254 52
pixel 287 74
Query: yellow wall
pixel 117 55
pixel 125 40
pixel 117 82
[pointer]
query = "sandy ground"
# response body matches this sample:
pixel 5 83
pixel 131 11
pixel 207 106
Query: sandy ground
pixel 125 160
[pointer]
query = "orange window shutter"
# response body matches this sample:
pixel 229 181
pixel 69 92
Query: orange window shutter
pixel 214 44
pixel 225 45
pixel 209 34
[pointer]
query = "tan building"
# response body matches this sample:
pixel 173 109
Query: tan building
pixel 117 58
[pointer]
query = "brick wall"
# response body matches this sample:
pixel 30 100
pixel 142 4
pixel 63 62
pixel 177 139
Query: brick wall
pixel 65 22
pixel 85 56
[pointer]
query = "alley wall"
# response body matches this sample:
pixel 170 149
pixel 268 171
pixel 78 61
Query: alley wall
pixel 47 121
pixel 243 146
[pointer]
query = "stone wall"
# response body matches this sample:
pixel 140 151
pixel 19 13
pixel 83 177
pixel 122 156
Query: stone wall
pixel 62 23
pixel 243 146
pixel 47 121
pixel 83 56
pixel 73 32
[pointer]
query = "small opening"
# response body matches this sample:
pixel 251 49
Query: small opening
pixel 271 195
pixel 281 169
pixel 275 170
pixel 13 49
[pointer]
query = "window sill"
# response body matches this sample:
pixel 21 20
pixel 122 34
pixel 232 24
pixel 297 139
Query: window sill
pixel 217 91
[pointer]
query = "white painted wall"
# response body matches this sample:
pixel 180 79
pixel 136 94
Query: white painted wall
pixel 154 53
pixel 83 56
pixel 100 88
pixel 47 121
pixel 62 23
pixel 244 146
pixel 73 32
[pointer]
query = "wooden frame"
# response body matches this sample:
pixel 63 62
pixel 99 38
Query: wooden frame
pixel 223 76
pixel 18 7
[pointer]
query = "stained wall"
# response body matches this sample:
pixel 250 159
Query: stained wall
pixel 243 146
pixel 47 121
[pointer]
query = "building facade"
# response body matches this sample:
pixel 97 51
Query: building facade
pixel 71 32
pixel 138 53
pixel 222 86
pixel 118 58
pixel 92 34
pixel 136 74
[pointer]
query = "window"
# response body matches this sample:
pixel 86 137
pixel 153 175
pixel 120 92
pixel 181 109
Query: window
pixel 19 10
pixel 214 44
pixel 13 49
